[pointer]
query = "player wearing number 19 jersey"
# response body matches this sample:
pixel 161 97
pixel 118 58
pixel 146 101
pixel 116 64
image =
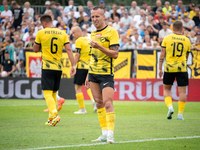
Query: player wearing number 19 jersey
pixel 52 41
pixel 175 49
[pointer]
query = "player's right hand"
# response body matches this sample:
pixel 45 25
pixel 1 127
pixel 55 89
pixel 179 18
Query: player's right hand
pixel 73 71
pixel 160 73
pixel 87 83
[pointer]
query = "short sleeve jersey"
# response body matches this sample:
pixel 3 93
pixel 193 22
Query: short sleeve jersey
pixel 52 41
pixel 177 46
pixel 100 63
pixel 83 48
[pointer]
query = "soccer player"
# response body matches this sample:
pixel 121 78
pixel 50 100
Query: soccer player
pixel 105 46
pixel 175 50
pixel 52 41
pixel 81 59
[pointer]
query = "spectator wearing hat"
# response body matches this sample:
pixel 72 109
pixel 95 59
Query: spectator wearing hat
pixel 6 13
pixel 47 7
pixel 127 20
pixel 56 12
pixel 17 14
pixel 164 32
pixel 8 64
pixel 134 10
pixel 178 6
pixel 192 12
pixel 167 7
pixel 188 24
pixel 27 8
pixel 172 15
pixel 102 4
pixel 70 6
pixel 196 18
pixel 158 5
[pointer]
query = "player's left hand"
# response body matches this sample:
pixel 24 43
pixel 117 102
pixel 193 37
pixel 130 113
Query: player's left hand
pixel 94 44
pixel 73 71
pixel 160 73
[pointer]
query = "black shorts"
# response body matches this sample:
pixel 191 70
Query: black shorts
pixel 103 80
pixel 51 79
pixel 80 76
pixel 181 78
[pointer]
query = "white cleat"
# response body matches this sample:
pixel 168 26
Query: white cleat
pixel 101 138
pixel 94 106
pixel 170 113
pixel 110 138
pixel 81 111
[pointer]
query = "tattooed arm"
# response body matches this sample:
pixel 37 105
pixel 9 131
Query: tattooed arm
pixel 162 56
pixel 112 52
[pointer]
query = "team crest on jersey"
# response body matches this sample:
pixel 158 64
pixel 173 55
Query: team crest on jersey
pixel 98 35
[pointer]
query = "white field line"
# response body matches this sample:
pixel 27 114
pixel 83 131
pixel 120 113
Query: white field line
pixel 103 143
pixel 41 104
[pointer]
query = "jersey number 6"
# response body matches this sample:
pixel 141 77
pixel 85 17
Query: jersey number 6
pixel 54 50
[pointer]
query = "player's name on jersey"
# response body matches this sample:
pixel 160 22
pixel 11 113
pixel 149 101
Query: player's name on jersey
pixel 178 38
pixel 53 32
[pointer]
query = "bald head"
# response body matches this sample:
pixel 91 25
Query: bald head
pixel 76 32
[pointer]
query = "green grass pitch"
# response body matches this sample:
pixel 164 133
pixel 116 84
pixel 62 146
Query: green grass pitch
pixel 143 124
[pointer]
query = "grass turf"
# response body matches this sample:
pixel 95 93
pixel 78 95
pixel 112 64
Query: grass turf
pixel 22 126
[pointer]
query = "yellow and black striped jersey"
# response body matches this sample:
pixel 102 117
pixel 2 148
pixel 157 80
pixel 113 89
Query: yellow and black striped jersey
pixel 52 41
pixel 177 46
pixel 100 63
pixel 83 47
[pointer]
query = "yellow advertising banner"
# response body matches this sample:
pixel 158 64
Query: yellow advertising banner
pixel 146 64
pixel 195 64
pixel 123 65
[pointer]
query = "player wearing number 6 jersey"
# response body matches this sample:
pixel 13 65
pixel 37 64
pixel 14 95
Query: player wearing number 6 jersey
pixel 175 50
pixel 52 41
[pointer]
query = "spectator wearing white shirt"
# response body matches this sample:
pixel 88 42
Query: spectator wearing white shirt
pixel 27 8
pixel 116 23
pixel 136 38
pixel 127 20
pixel 134 9
pixel 129 45
pixel 164 32
pixel 193 38
pixel 70 6
pixel 138 18
pixel 188 24
pixel 6 13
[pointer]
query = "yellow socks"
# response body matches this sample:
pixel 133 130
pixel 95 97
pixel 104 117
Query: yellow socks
pixel 55 97
pixel 48 95
pixel 181 106
pixel 168 101
pixel 80 100
pixel 102 118
pixel 90 94
pixel 110 118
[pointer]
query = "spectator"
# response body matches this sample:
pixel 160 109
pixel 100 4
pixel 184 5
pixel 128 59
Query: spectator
pixel 56 12
pixel 47 7
pixel 178 6
pixel 140 45
pixel 70 6
pixel 29 44
pixel 149 45
pixel 8 64
pixel 164 32
pixel 129 45
pixel 134 9
pixel 80 10
pixel 27 8
pixel 158 5
pixel 153 35
pixel 193 38
pixel 172 15
pixel 188 24
pixel 144 6
pixel 138 18
pixel 102 4
pixel 149 11
pixel 6 13
pixel 196 18
pixel 121 10
pixel 20 56
pixel 116 23
pixel 65 27
pixel 190 7
pixel 136 39
pixel 155 45
pixel 161 21
pixel 17 15
pixel 159 13
pixel 114 13
pixel 121 30
pixel 31 32
pixel 197 45
pixel 167 8
pixel 10 49
pixel 192 12
pixel 106 13
pixel 89 8
pixel 26 17
pixel 122 40
pixel 86 22
pixel 147 39
pixel 153 24
pixel 80 19
pixel 182 13
pixel 127 20
pixel 1 36
pixel 4 2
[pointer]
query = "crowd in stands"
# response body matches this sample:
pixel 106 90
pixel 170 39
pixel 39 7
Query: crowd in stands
pixel 138 27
